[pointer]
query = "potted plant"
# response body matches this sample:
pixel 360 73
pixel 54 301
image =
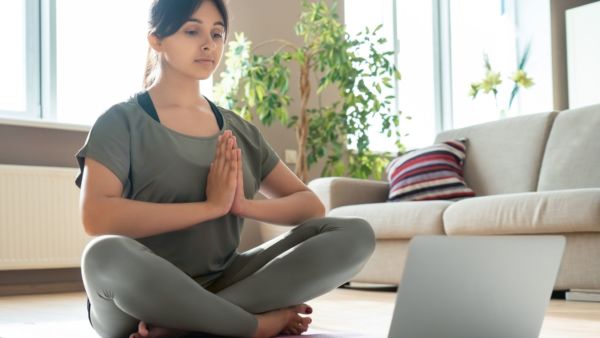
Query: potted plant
pixel 492 81
pixel 258 84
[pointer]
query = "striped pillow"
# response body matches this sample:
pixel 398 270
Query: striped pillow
pixel 431 173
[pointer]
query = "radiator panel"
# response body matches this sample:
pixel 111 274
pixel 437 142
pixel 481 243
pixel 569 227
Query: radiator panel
pixel 40 225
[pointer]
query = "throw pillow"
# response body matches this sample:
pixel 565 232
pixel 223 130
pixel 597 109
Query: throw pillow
pixel 430 173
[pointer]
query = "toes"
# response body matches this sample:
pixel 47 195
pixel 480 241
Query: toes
pixel 305 323
pixel 299 327
pixel 142 329
pixel 303 308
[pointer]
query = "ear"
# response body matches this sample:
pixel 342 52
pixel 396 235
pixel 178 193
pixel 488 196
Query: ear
pixel 154 42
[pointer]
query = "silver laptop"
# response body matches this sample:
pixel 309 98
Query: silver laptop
pixel 476 286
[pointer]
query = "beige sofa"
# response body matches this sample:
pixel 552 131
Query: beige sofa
pixel 533 174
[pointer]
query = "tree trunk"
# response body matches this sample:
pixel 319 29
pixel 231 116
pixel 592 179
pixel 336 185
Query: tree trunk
pixel 302 126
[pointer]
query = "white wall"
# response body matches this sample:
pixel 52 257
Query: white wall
pixel 559 49
pixel 583 53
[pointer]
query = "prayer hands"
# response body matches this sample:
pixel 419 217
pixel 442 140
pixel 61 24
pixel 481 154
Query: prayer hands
pixel 222 176
pixel 225 186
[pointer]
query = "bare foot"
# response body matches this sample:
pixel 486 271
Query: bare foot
pixel 150 331
pixel 297 326
pixel 283 321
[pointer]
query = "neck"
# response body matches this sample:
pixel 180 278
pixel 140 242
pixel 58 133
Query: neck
pixel 173 89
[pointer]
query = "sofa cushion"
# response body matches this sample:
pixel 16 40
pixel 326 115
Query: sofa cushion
pixel 430 173
pixel 572 157
pixel 561 211
pixel 504 156
pixel 395 220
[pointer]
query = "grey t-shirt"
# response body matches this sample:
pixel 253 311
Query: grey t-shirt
pixel 160 165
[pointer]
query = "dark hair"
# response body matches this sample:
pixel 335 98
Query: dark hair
pixel 166 17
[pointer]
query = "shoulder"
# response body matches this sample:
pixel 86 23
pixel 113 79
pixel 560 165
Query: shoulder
pixel 238 123
pixel 119 115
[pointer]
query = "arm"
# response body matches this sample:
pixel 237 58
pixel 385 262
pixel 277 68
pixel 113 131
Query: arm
pixel 104 211
pixel 289 201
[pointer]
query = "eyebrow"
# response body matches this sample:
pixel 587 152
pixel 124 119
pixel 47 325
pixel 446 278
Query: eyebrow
pixel 200 21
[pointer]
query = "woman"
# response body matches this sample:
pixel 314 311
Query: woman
pixel 167 179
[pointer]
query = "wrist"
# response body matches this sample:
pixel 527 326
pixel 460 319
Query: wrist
pixel 215 210
pixel 241 207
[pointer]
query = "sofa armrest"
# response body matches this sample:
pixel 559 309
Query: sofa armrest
pixel 339 191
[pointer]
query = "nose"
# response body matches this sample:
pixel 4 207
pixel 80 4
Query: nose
pixel 208 43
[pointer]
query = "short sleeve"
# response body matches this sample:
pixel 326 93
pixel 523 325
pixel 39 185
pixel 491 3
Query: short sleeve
pixel 108 142
pixel 268 157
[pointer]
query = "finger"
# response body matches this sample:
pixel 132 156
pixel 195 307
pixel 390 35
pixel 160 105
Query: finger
pixel 222 156
pixel 226 136
pixel 216 160
pixel 220 141
pixel 239 162
pixel 223 144
pixel 234 163
pixel 228 150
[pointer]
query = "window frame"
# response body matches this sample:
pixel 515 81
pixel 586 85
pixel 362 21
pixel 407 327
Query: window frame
pixel 48 60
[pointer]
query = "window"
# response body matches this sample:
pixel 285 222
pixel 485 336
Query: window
pixel 69 61
pixel 416 92
pixel 491 32
pixel 411 28
pixel 101 52
pixel 359 15
pixel 502 29
pixel 15 62
pixel 440 46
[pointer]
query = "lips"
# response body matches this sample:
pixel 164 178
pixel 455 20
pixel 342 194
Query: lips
pixel 203 60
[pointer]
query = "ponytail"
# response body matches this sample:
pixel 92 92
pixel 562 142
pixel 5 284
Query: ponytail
pixel 150 70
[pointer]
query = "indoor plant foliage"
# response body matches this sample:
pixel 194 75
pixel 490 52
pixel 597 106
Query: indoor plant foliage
pixel 492 80
pixel 258 84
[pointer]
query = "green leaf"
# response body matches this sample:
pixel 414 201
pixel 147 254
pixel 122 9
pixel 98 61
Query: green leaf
pixel 260 92
pixel 386 82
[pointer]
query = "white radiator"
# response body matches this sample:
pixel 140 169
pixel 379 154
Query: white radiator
pixel 40 226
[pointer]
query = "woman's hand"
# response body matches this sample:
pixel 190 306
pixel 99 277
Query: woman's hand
pixel 222 177
pixel 239 201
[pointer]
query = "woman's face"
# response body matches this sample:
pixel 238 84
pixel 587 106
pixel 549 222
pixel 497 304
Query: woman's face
pixel 196 48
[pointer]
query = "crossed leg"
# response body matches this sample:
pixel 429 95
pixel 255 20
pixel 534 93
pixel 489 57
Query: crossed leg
pixel 127 283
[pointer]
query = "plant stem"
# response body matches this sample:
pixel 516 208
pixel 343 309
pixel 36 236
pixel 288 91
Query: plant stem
pixel 302 126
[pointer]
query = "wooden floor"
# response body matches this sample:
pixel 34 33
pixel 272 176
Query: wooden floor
pixel 342 310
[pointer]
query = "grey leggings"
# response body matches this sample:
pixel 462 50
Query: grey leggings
pixel 126 282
